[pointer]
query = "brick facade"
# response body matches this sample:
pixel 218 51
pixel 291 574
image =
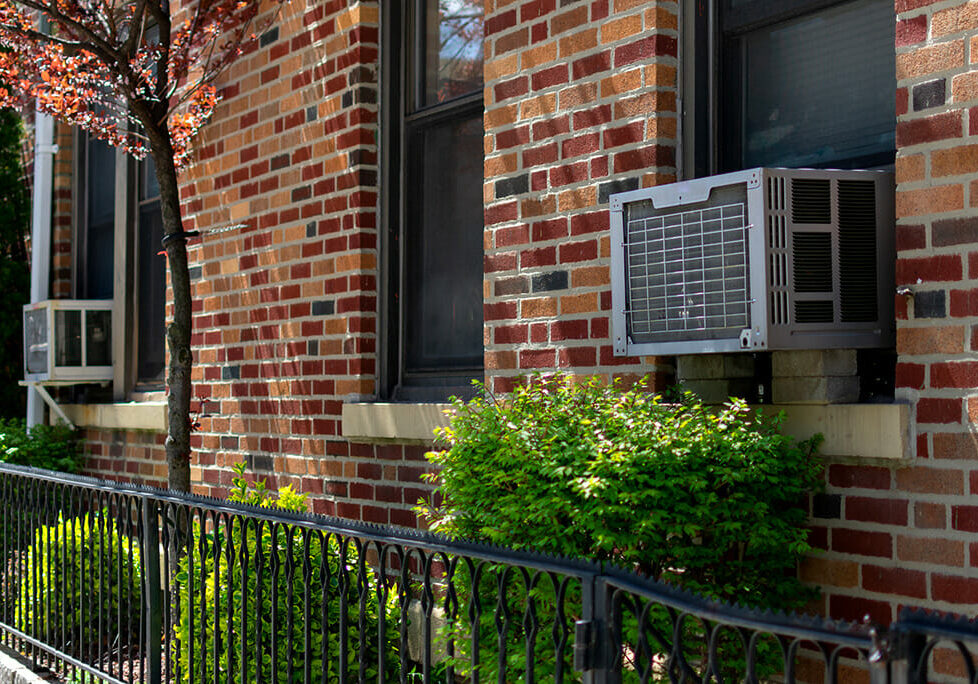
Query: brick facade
pixel 580 101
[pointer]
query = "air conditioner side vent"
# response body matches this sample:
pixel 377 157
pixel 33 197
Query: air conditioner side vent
pixel 811 200
pixel 820 311
pixel 857 251
pixel 812 262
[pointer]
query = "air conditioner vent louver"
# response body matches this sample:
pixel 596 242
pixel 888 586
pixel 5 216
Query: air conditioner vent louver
pixel 759 259
pixel 811 201
pixel 857 246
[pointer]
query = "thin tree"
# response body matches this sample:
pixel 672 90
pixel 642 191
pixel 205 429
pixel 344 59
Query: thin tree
pixel 140 75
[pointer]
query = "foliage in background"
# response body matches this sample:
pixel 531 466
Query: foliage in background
pixel 77 570
pixel 710 499
pixel 52 447
pixel 207 567
pixel 15 210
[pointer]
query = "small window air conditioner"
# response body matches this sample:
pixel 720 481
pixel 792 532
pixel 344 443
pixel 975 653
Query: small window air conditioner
pixel 68 341
pixel 754 260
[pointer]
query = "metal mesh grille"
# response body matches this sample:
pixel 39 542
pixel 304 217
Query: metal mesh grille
pixel 687 271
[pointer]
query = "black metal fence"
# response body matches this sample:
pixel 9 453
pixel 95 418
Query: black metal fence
pixel 129 584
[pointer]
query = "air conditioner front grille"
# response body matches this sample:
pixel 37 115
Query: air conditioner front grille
pixel 857 251
pixel 688 272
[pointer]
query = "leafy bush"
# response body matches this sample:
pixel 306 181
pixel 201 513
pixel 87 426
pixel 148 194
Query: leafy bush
pixel 713 500
pixel 53 447
pixel 75 570
pixel 255 621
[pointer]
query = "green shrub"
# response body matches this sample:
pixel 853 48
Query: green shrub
pixel 52 447
pixel 75 569
pixel 220 587
pixel 712 500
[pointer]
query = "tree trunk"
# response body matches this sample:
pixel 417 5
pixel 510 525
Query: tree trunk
pixel 178 330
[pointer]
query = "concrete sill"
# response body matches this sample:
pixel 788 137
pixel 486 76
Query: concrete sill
pixel 860 433
pixel 150 415
pixel 402 423
pixel 853 432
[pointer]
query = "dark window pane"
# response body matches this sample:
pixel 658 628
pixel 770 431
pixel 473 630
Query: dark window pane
pixel 151 289
pixel 98 338
pixel 818 90
pixel 67 325
pixel 443 272
pixel 100 224
pixel 453 49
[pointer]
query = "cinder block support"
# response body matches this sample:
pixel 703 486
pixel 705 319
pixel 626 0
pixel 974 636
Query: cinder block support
pixel 826 376
pixel 714 378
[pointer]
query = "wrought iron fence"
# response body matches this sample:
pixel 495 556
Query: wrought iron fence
pixel 130 584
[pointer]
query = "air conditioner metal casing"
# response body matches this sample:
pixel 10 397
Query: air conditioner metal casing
pixel 68 341
pixel 755 260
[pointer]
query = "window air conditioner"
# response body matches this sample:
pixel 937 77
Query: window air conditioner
pixel 754 260
pixel 68 341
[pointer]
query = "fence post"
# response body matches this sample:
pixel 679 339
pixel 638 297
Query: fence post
pixel 152 594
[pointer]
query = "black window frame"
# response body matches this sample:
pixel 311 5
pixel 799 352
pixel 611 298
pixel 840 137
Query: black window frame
pixel 403 111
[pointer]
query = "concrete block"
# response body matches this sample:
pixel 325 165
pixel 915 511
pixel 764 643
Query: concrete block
pixel 815 390
pixel 714 366
pixel 720 391
pixel 813 362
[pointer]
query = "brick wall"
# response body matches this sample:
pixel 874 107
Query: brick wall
pixel 906 535
pixel 580 102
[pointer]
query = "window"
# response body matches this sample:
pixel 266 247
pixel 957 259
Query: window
pixel 118 228
pixel 796 83
pixel 432 155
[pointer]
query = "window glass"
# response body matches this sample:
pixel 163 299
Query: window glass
pixel 453 49
pixel 443 287
pixel 100 220
pixel 150 279
pixel 818 90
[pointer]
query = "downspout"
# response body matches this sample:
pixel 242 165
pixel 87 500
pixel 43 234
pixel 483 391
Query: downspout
pixel 44 151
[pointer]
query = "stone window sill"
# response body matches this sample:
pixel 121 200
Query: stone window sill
pixel 853 432
pixel 136 415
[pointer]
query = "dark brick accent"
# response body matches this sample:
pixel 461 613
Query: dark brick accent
pixel 311 113
pixel 323 308
pixel 268 37
pixel 517 185
pixel 258 462
pixel 311 229
pixel 612 187
pixel 956 231
pixel 510 286
pixel 347 100
pixel 930 304
pixel 279 162
pixel 827 506
pixel 231 373
pixel 312 348
pixel 929 94
pixel 546 282
pixel 196 272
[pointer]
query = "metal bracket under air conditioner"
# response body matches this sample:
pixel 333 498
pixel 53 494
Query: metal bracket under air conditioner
pixel 49 400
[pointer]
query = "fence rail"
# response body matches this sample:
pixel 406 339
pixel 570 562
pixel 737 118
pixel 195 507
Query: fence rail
pixel 129 584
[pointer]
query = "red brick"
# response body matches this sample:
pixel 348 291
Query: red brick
pixel 941 268
pixel 964 518
pixel 963 303
pixel 962 374
pixel 578 251
pixel 863 477
pixel 855 609
pixel 536 9
pixel 549 230
pixel 592 64
pixel 546 78
pixel 511 88
pixel 643 158
pixel 898 581
pixel 624 135
pixel 910 375
pixel 910 237
pixel 582 144
pixel 500 22
pixel 954 589
pixel 929 129
pixel 883 511
pixel 576 357
pixel 569 330
pixel 862 543
pixel 645 48
pixel 931 410
pixel 537 358
pixel 913 30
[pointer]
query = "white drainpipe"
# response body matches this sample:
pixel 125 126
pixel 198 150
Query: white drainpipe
pixel 44 151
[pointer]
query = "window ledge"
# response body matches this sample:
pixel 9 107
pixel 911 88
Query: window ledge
pixel 146 415
pixel 388 422
pixel 861 433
